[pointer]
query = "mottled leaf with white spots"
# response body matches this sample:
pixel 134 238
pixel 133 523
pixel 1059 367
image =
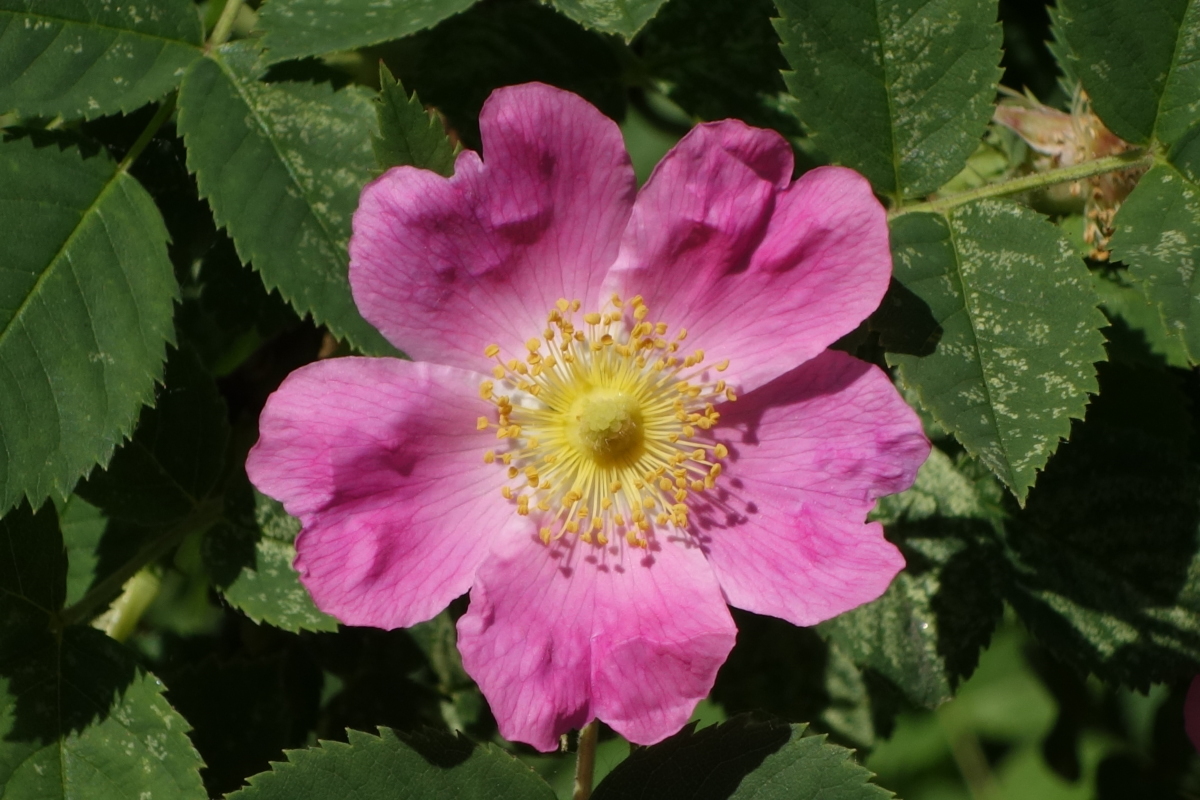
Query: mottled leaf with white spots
pixel 1158 236
pixel 1104 561
pixel 250 557
pixel 299 28
pixel 925 633
pixel 282 165
pixel 900 90
pixel 1019 331
pixel 1139 61
pixel 87 58
pixel 79 717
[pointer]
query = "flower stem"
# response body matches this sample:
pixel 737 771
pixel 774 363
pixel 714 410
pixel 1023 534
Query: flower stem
pixel 1038 180
pixel 585 760
pixel 103 592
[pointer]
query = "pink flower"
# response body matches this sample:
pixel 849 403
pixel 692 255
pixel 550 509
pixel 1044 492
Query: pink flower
pixel 566 444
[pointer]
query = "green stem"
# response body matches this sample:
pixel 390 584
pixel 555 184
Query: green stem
pixel 122 617
pixel 160 117
pixel 224 27
pixel 100 595
pixel 585 761
pixel 1038 180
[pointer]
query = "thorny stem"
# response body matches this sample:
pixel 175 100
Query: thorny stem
pixel 585 760
pixel 103 592
pixel 224 27
pixel 1038 180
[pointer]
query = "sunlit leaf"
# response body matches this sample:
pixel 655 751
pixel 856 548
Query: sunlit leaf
pixel 900 90
pixel 1013 361
pixel 282 165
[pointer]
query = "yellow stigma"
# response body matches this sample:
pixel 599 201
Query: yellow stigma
pixel 597 424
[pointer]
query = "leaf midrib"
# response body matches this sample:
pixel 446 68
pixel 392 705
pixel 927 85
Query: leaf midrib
pixel 58 256
pixel 983 369
pixel 891 109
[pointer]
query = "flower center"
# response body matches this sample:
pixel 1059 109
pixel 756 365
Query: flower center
pixel 607 432
pixel 606 424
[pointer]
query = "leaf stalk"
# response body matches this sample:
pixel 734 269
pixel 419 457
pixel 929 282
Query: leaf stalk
pixel 1130 160
pixel 157 121
pixel 224 27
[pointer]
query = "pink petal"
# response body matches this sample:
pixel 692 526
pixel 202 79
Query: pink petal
pixel 809 455
pixel 1191 712
pixel 556 637
pixel 758 272
pixel 381 461
pixel 444 267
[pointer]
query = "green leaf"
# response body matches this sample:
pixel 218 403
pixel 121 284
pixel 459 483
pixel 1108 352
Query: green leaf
pixel 1125 301
pixel 86 297
pixel 900 90
pixel 457 65
pixel 395 768
pixel 175 457
pixel 793 673
pixel 718 59
pixel 1014 363
pixel 87 58
pixel 622 17
pixel 741 759
pixel 78 716
pixel 299 28
pixel 82 527
pixel 947 489
pixel 250 558
pixel 1158 236
pixel 1138 61
pixel 1105 562
pixel 408 135
pixel 282 165
pixel 925 633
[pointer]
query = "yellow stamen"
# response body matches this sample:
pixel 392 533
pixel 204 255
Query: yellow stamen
pixel 603 429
